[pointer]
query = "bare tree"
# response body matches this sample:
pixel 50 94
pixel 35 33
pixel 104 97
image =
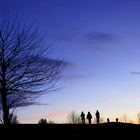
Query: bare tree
pixel 13 119
pixel 51 122
pixel 26 70
pixel 42 121
pixel 73 118
pixel 124 118
pixel 139 118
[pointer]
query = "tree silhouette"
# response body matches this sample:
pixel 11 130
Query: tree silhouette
pixel 42 121
pixel 26 70
pixel 139 118
pixel 51 122
pixel 12 118
pixel 73 118
pixel 124 118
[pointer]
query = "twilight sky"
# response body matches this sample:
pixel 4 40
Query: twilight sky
pixel 100 40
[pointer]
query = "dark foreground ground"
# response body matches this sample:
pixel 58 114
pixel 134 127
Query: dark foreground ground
pixel 68 131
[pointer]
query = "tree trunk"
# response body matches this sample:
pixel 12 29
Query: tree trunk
pixel 5 109
pixel 4 97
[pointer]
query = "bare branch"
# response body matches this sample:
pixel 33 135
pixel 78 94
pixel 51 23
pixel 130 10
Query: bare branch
pixel 26 70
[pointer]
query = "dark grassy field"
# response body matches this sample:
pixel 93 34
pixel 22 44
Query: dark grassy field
pixel 106 130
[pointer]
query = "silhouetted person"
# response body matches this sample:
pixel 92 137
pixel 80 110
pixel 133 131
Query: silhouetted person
pixel 89 117
pixel 97 116
pixel 117 120
pixel 108 120
pixel 83 117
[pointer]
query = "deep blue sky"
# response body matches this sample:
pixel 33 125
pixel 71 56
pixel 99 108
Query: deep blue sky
pixel 100 39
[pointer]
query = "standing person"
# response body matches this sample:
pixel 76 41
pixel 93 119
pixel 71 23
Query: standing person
pixel 97 116
pixel 83 117
pixel 89 117
pixel 108 120
pixel 117 120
